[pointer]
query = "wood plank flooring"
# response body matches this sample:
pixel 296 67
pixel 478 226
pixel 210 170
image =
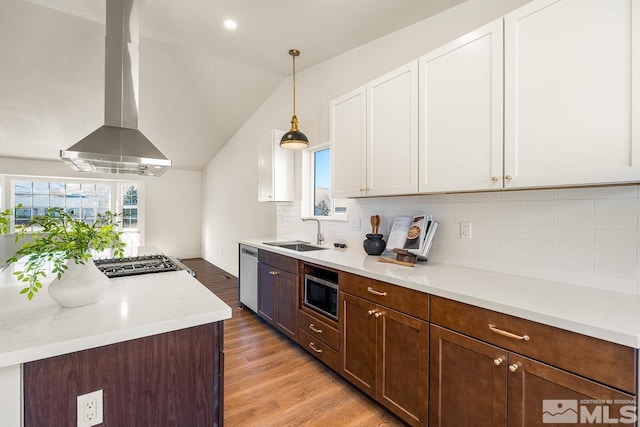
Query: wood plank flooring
pixel 271 381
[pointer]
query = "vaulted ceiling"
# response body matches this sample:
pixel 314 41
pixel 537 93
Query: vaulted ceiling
pixel 252 57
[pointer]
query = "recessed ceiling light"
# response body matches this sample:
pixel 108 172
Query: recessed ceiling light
pixel 230 24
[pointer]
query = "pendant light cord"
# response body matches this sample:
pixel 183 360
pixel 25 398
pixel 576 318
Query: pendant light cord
pixel 294 84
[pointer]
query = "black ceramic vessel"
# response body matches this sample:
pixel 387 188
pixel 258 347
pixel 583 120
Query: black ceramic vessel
pixel 374 245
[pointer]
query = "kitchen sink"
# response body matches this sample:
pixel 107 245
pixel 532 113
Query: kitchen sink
pixel 296 246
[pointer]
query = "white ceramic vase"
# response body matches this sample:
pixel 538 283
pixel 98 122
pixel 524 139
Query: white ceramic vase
pixel 80 284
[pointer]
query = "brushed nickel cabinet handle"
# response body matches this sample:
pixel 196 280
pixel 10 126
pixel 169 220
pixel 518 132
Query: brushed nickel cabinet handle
pixel 494 178
pixel 362 189
pixel 371 312
pixel 508 177
pixel 498 361
pixel 514 367
pixel 378 314
pixel 314 329
pixel 313 347
pixel 273 273
pixel 493 328
pixel 373 291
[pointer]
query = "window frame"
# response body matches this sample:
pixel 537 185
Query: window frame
pixel 308 170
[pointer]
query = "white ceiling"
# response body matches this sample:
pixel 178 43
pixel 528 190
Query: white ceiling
pixel 267 29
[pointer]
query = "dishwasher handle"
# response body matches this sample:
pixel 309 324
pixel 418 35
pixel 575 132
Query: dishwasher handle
pixel 249 252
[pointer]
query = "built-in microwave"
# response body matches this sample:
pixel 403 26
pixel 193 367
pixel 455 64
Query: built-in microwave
pixel 321 295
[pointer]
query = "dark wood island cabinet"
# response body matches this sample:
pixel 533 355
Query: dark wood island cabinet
pixel 169 379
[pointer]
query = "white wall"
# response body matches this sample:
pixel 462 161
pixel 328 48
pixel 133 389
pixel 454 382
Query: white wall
pixel 231 210
pixel 172 203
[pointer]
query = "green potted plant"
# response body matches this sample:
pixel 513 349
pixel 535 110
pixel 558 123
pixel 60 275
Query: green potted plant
pixel 63 244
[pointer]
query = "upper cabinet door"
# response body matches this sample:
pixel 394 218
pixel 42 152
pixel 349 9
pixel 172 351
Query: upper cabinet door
pixel 461 121
pixel 571 93
pixel 275 169
pixel 348 116
pixel 392 132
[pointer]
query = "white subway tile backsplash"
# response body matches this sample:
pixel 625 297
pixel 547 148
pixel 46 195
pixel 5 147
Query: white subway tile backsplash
pixel 618 237
pixel 560 206
pixel 540 219
pixel 623 192
pixel 617 206
pixel 601 221
pixel 582 236
pixel 529 195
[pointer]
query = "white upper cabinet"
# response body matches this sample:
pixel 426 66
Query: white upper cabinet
pixel 461 121
pixel 275 169
pixel 374 137
pixel 572 71
pixel 392 132
pixel 348 122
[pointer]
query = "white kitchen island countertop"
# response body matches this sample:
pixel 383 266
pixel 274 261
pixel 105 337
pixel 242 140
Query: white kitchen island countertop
pixel 610 316
pixel 132 307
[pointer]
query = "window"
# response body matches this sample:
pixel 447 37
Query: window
pixel 316 180
pixel 82 201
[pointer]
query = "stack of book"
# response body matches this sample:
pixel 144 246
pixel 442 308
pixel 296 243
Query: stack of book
pixel 414 234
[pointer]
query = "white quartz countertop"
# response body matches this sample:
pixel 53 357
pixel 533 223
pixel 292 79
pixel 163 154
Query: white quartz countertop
pixel 133 307
pixel 610 316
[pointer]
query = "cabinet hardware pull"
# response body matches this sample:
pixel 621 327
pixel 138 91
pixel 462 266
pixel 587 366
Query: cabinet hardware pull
pixel 514 367
pixel 497 361
pixel 378 314
pixel 508 334
pixel 371 312
pixel 273 273
pixel 313 328
pixel 373 291
pixel 362 189
pixel 508 177
pixel 494 178
pixel 313 347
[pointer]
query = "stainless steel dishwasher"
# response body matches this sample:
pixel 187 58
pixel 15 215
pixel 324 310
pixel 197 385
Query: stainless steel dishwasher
pixel 248 280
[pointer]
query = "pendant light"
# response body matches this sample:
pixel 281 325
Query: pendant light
pixel 294 139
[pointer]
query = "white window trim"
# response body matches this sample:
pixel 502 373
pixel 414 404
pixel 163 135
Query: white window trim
pixel 307 186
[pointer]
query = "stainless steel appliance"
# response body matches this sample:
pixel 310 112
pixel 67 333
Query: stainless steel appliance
pixel 248 280
pixel 143 264
pixel 321 295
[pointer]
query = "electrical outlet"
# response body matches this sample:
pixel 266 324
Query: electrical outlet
pixel 465 230
pixel 355 224
pixel 90 409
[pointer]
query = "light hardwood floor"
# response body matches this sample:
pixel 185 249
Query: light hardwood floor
pixel 270 381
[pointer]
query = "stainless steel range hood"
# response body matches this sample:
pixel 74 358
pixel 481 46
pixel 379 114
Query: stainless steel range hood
pixel 118 146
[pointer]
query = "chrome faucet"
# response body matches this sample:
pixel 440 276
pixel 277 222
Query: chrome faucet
pixel 319 236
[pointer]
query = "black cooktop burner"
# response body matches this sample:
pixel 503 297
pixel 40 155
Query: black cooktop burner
pixel 131 266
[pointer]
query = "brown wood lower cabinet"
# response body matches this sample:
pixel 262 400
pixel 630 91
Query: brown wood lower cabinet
pixel 479 384
pixel 278 291
pixel 170 379
pixel 385 353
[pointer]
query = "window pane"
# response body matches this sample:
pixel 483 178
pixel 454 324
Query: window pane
pixel 102 202
pixel 73 201
pixel 73 212
pixel 41 188
pixel 73 190
pixel 39 211
pixel 88 213
pixel 321 183
pixel 130 196
pixel 130 217
pixel 56 201
pixel 88 189
pixel 22 215
pixel 23 200
pixel 103 190
pixel 23 187
pixel 56 188
pixel 41 201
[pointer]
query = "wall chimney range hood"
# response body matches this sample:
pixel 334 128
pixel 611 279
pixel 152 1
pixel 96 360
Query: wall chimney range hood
pixel 118 146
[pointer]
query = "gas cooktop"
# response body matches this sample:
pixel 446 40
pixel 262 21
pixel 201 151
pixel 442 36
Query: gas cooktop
pixel 144 264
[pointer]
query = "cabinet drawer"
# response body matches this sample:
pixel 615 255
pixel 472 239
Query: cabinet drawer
pixel 282 262
pixel 603 361
pixel 409 301
pixel 318 329
pixel 318 349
